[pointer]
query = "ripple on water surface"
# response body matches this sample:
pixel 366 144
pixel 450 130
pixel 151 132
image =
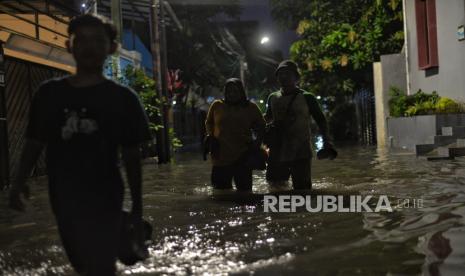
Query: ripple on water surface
pixel 198 231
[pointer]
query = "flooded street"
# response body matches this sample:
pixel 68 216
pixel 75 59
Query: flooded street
pixel 197 231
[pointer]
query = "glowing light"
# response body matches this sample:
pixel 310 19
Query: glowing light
pixel 318 97
pixel 265 40
pixel 261 101
pixel 174 102
pixel 83 5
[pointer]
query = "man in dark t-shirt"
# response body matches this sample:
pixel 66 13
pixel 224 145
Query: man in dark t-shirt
pixel 291 109
pixel 82 121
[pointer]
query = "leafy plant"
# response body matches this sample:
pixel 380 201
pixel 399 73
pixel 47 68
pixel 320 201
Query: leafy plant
pixel 339 40
pixel 397 102
pixel 145 87
pixel 446 105
pixel 421 108
pixel 175 142
pixel 420 103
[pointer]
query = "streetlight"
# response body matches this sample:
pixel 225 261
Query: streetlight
pixel 265 40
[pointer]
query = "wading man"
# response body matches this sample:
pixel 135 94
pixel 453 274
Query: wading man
pixel 290 110
pixel 82 121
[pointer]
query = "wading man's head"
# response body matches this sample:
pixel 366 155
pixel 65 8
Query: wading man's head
pixel 287 73
pixel 91 41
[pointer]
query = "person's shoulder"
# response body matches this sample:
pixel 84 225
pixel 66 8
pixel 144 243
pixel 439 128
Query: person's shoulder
pixel 307 94
pixel 122 92
pixel 252 105
pixel 53 83
pixel 120 88
pixel 217 103
pixel 47 87
pixel 275 94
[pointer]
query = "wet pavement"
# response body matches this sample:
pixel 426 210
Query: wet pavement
pixel 198 231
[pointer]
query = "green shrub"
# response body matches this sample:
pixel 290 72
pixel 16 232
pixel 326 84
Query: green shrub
pixel 420 103
pixel 422 108
pixel 397 102
pixel 446 105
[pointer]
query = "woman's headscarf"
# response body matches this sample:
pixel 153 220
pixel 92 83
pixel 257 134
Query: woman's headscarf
pixel 237 83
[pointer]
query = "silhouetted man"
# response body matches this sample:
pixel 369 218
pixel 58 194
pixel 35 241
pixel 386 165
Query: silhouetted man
pixel 83 120
pixel 291 109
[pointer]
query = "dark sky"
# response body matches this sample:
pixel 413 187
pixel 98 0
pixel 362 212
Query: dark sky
pixel 260 10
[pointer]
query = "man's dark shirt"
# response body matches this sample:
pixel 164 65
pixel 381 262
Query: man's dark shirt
pixel 83 129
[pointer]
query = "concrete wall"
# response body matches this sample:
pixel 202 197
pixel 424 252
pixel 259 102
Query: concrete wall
pixel 449 79
pixel 390 71
pixel 406 132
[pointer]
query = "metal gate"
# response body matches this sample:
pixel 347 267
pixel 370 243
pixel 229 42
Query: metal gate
pixel 22 80
pixel 189 126
pixel 366 116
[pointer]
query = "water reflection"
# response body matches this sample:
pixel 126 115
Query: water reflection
pixel 199 231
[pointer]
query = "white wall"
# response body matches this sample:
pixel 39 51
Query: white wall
pixel 449 78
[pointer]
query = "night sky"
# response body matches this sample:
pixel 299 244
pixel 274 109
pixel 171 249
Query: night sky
pixel 260 10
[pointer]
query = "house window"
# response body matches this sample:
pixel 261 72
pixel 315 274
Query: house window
pixel 427 40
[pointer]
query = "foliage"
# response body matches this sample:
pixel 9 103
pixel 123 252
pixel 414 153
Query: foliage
pixel 420 103
pixel 339 40
pixel 397 102
pixel 446 105
pixel 193 49
pixel 175 142
pixel 145 87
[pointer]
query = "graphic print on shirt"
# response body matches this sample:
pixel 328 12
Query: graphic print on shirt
pixel 77 122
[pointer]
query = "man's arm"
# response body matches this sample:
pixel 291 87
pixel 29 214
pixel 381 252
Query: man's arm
pixel 268 113
pixel 132 161
pixel 258 124
pixel 318 116
pixel 29 155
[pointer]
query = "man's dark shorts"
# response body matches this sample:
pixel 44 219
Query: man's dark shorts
pixel 299 170
pixel 222 177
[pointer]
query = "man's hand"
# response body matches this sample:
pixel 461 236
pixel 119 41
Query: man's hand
pixel 327 145
pixel 15 201
pixel 30 154
pixel 328 151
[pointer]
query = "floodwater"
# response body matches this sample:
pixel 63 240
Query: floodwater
pixel 197 231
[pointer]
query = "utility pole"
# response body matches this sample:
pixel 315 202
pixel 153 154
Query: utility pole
pixel 4 152
pixel 164 72
pixel 242 69
pixel 158 49
pixel 93 9
pixel 117 18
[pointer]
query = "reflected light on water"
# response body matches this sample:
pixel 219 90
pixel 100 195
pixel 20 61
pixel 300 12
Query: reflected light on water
pixel 201 231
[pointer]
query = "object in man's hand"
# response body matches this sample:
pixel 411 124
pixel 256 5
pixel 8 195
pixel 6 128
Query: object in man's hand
pixel 271 138
pixel 210 145
pixel 326 153
pixel 133 249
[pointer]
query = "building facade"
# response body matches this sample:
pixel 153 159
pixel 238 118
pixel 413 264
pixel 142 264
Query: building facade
pixel 435 47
